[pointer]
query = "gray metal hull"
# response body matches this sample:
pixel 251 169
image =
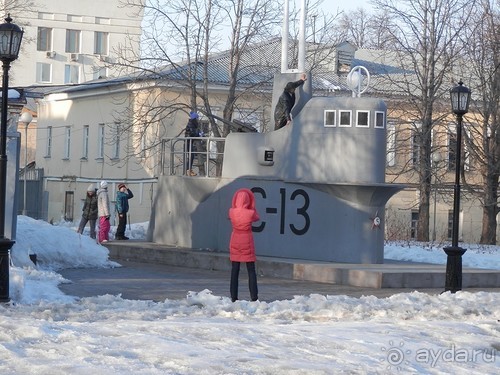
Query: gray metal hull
pixel 335 223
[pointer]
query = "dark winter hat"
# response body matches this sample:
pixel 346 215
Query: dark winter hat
pixel 121 185
pixel 289 86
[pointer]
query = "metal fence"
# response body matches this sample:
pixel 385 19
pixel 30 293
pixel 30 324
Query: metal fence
pixel 207 153
pixel 31 181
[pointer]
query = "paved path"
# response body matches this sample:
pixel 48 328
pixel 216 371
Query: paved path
pixel 157 282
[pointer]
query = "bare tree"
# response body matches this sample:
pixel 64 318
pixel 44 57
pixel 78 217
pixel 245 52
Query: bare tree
pixel 481 46
pixel 425 37
pixel 322 35
pixel 181 42
pixel 364 29
pixel 18 7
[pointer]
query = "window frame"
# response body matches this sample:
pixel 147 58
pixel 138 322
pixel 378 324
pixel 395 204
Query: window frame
pixel 101 43
pixel 44 34
pixel 365 112
pixel 40 73
pixel 116 141
pixel 345 125
pixel 325 116
pixel 391 144
pixel 414 224
pixel 376 123
pixel 100 141
pixel 73 46
pixel 69 72
pixel 67 143
pixel 85 140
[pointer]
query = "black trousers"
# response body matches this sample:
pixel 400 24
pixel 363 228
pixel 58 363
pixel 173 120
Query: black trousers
pixel 252 280
pixel 122 224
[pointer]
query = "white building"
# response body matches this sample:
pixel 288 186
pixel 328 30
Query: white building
pixel 73 41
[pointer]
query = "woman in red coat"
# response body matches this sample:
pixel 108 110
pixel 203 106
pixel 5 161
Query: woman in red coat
pixel 241 246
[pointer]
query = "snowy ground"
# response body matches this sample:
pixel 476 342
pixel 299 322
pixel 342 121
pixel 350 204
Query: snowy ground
pixel 43 331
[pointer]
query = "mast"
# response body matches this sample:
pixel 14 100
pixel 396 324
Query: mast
pixel 302 38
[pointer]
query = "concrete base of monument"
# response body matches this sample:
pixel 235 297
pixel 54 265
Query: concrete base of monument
pixel 391 274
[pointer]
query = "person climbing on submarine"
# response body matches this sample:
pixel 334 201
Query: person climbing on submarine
pixel 286 101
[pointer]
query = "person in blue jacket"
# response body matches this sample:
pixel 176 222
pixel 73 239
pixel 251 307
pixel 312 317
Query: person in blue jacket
pixel 122 196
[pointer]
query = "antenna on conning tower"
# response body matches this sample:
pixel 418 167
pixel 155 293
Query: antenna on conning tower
pixel 285 32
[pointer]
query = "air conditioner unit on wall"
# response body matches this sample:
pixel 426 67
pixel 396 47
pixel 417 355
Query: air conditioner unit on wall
pixel 50 54
pixel 74 56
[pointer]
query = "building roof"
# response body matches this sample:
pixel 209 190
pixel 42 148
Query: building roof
pixel 258 64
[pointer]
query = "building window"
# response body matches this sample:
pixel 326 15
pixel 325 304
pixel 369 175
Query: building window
pixel 69 201
pixel 67 142
pixel 43 72
pixel 85 146
pixel 416 144
pixel 362 119
pixel 466 153
pixel 116 142
pixel 391 144
pixel 101 43
pixel 414 224
pixel 330 118
pixel 379 120
pixel 44 39
pixel 48 150
pixel 345 118
pixel 73 41
pixel 450 224
pixel 452 148
pixel 71 74
pixel 100 142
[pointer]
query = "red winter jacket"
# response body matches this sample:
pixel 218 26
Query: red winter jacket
pixel 242 215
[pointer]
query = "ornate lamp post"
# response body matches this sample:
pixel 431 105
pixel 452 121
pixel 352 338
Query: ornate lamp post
pixel 460 99
pixel 26 119
pixel 10 42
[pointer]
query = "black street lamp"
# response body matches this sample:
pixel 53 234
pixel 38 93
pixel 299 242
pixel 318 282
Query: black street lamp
pixel 10 42
pixel 460 99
